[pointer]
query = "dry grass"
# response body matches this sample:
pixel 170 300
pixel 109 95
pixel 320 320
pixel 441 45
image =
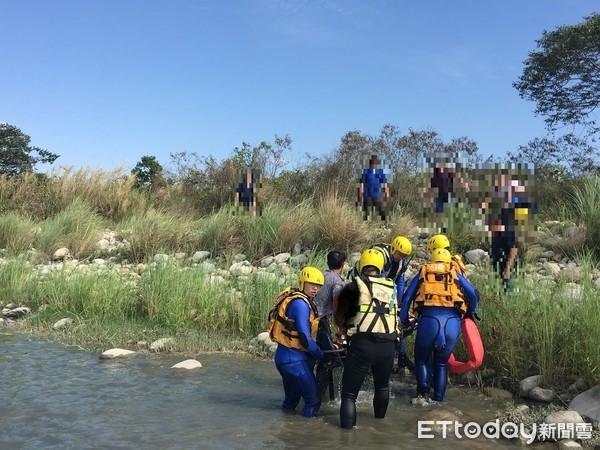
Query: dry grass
pixel 338 225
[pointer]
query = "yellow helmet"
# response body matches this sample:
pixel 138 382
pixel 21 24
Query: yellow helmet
pixel 440 255
pixel 438 241
pixel 312 275
pixel 402 245
pixel 371 257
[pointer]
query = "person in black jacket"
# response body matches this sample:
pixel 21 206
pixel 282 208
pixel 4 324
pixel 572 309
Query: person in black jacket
pixel 367 309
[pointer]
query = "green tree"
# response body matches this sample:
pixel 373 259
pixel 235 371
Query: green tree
pixel 16 155
pixel 563 75
pixel 148 172
pixel 575 156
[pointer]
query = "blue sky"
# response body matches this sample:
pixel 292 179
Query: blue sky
pixel 104 82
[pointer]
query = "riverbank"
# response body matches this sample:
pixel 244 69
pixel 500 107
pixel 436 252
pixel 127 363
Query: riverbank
pixel 547 326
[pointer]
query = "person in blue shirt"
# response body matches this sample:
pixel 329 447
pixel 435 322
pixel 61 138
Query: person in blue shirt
pixel 373 190
pixel 441 297
pixel 293 325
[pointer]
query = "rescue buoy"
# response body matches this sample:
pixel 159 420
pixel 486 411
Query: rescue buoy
pixel 474 347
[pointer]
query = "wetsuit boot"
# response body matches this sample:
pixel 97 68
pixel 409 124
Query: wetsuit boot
pixel 381 399
pixel 348 412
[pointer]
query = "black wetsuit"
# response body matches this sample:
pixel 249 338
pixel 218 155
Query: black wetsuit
pixel 366 351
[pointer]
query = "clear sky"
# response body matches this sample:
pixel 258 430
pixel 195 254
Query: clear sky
pixel 104 82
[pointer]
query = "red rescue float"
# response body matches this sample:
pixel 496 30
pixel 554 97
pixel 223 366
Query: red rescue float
pixel 474 346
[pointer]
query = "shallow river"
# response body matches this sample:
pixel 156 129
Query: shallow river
pixel 63 398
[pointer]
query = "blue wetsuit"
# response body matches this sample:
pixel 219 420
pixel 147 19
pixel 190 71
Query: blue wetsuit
pixel 295 366
pixel 401 350
pixel 437 334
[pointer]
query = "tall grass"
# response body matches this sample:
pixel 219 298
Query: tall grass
pixel 156 231
pixel 40 196
pixel 110 193
pixel 187 297
pixel 337 224
pixel 17 233
pixel 586 202
pixel 100 294
pixel 77 227
pixel 15 276
pixel 540 329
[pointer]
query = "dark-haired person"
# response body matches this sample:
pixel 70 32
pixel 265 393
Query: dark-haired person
pixel 373 191
pixel 324 301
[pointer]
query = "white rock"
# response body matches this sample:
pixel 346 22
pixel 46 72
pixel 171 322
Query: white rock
pixel 282 257
pixel 208 267
pixel 60 253
pixel 62 323
pixel 284 269
pixel 162 344
pixel 188 364
pixel 199 256
pixel 476 255
pixel 99 261
pixel 102 245
pixel 298 260
pixel 240 269
pixel 15 313
pixel 239 257
pixel 160 257
pixel 266 261
pixel 550 268
pixel 570 292
pixel 116 353
pixel 262 337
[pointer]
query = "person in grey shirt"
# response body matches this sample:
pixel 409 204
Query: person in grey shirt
pixel 324 301
pixel 333 283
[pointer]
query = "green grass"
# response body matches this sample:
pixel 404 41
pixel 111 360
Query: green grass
pixel 77 227
pixel 156 232
pixel 586 204
pixel 537 329
pixel 17 233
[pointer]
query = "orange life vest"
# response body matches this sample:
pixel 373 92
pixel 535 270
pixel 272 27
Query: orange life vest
pixel 282 329
pixel 438 286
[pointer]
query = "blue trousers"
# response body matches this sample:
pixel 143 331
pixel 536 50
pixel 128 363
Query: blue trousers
pixel 299 381
pixel 437 335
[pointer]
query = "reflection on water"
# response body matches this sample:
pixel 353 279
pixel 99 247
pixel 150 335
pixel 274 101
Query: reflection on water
pixel 54 397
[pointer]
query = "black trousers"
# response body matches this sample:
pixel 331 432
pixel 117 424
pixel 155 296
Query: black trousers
pixel 366 353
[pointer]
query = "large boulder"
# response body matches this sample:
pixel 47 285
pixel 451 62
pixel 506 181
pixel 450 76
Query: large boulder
pixel 588 403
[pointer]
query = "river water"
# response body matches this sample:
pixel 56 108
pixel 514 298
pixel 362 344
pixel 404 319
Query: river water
pixel 64 398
